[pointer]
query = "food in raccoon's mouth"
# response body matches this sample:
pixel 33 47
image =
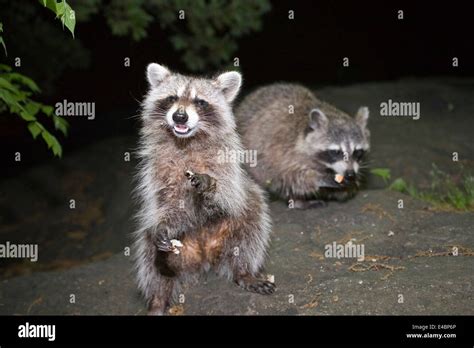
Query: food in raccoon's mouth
pixel 339 178
pixel 176 244
pixel 189 174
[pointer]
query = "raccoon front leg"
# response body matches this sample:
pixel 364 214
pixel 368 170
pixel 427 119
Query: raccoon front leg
pixel 203 183
pixel 205 186
pixel 308 204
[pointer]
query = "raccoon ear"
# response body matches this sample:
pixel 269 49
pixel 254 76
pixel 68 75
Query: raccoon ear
pixel 156 73
pixel 229 83
pixel 362 116
pixel 317 119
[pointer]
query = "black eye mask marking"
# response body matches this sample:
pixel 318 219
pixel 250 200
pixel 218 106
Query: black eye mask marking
pixel 200 103
pixel 163 105
pixel 207 112
pixel 358 154
pixel 171 98
pixel 331 156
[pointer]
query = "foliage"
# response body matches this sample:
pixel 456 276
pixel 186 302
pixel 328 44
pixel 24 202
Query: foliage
pixel 16 89
pixel 384 173
pixel 128 19
pixel 63 11
pixel 444 191
pixel 15 92
pixel 206 37
pixel 34 35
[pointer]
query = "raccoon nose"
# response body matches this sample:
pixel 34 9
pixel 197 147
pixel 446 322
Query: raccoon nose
pixel 350 175
pixel 180 117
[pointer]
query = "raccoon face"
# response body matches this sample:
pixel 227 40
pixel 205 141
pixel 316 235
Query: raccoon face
pixel 340 144
pixel 187 105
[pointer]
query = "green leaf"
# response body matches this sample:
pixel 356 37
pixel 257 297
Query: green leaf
pixel 399 185
pixel 60 124
pixel 67 16
pixel 384 173
pixel 63 11
pixel 4 67
pixel 32 107
pixel 34 129
pixel 24 80
pixel 27 116
pixel 56 146
pixel 48 110
pixel 5 84
pixel 51 4
pixel 48 138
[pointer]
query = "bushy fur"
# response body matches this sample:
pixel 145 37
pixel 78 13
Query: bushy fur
pixel 292 131
pixel 225 226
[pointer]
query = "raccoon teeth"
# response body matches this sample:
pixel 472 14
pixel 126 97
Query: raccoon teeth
pixel 181 128
pixel 339 178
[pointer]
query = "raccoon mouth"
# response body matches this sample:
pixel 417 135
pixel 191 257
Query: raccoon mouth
pixel 181 129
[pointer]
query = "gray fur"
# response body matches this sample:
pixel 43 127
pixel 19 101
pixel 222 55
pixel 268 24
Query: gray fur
pixel 288 144
pixel 211 222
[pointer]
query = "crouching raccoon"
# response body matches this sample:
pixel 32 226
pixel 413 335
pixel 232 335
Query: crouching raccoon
pixel 308 151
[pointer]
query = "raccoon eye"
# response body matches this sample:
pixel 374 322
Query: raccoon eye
pixel 171 98
pixel 201 103
pixel 335 153
pixel 358 154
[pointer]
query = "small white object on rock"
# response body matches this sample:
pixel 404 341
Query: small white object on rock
pixel 271 278
pixel 361 281
pixel 391 233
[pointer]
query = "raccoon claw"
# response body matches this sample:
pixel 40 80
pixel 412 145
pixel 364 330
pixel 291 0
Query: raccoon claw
pixel 164 244
pixel 259 286
pixel 263 287
pixel 201 182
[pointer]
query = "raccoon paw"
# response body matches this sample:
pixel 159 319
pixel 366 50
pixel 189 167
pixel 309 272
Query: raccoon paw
pixel 311 204
pixel 156 311
pixel 201 182
pixel 157 306
pixel 164 244
pixel 260 286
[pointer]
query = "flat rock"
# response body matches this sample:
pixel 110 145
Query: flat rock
pixel 410 266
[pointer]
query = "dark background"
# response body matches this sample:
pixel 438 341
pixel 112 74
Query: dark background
pixel 308 49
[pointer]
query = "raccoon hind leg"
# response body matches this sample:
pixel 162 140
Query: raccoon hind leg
pixel 255 284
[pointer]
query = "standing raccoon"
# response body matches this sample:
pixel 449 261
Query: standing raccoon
pixel 196 212
pixel 308 151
